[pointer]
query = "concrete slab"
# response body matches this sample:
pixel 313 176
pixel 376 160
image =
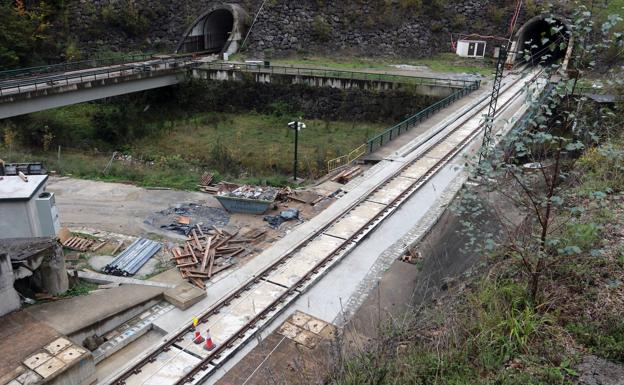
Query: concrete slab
pixel 419 168
pixel 29 378
pixel 184 295
pixel 304 260
pixel 50 368
pixel 225 324
pixel 74 314
pixel 357 218
pixel 391 191
pixel 37 360
pixel 72 354
pixel 441 150
pixel 56 346
pixel 167 369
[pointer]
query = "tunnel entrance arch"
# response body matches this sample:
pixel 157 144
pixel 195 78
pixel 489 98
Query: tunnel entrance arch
pixel 543 39
pixel 218 30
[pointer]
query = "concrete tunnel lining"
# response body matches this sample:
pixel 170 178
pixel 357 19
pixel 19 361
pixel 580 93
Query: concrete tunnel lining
pixel 531 34
pixel 219 29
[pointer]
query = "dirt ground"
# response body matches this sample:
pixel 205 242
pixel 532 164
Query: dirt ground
pixel 122 208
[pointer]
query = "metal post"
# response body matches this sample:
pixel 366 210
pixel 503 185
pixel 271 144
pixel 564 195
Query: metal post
pixel 296 150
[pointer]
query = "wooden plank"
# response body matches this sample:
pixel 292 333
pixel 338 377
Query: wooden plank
pixel 119 245
pixel 199 245
pixel 205 257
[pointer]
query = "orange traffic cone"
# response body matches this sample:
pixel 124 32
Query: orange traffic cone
pixel 198 339
pixel 209 344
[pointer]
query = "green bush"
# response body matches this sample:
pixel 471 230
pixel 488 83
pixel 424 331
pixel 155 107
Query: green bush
pixel 322 29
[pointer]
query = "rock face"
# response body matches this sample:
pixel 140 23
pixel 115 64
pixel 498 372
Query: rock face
pixel 359 27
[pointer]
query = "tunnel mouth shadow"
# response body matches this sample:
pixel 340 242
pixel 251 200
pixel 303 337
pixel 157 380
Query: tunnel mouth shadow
pixel 543 40
pixel 217 30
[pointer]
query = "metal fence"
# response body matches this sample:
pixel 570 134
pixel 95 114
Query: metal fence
pixel 16 86
pixel 340 74
pixel 74 66
pixel 395 131
pixel 401 128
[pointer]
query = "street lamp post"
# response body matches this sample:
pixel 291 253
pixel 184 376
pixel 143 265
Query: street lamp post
pixel 297 126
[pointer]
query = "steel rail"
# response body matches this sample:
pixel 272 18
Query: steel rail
pixel 342 249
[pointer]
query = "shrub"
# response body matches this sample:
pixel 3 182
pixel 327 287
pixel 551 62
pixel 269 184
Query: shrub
pixel 322 29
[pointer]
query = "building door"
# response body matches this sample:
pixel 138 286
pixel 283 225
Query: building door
pixel 480 49
pixel 471 49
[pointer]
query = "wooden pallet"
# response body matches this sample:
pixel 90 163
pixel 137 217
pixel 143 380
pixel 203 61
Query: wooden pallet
pixel 78 243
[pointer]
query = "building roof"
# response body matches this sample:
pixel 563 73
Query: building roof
pixel 13 188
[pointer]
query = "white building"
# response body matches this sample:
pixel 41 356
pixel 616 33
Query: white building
pixel 471 48
pixel 26 209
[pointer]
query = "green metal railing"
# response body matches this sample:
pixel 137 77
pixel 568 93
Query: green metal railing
pixel 73 66
pixel 401 128
pixel 339 74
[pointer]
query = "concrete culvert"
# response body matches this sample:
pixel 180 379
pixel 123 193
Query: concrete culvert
pixel 542 40
pixel 218 30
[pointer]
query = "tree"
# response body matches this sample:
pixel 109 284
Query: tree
pixel 533 165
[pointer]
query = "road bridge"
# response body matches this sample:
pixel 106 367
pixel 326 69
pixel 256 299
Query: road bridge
pixel 27 92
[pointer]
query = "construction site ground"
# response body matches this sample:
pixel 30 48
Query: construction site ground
pixel 21 335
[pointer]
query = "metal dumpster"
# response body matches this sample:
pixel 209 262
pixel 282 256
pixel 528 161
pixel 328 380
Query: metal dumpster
pixel 244 205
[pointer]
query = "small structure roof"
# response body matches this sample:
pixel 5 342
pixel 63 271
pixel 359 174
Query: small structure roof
pixel 13 188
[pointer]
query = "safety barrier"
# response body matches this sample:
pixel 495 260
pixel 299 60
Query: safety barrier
pixel 16 86
pixel 340 74
pixel 401 128
pixel 74 65
pixel 345 160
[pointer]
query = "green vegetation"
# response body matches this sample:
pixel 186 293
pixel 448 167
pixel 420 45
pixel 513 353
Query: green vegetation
pixel 443 63
pixel 550 288
pixel 80 288
pixel 246 147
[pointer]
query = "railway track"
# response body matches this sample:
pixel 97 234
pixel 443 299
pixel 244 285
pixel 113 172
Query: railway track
pixel 237 317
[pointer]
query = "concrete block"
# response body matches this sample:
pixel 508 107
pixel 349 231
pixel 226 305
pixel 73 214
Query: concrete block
pixel 50 368
pixel 56 346
pixel 37 360
pixel 184 295
pixel 29 378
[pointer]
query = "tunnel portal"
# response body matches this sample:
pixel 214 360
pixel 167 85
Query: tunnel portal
pixel 542 40
pixel 218 30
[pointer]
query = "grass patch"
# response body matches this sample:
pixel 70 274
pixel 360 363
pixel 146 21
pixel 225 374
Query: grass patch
pixel 244 148
pixel 444 63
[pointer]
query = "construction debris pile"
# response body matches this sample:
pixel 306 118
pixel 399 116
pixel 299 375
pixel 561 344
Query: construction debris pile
pixel 77 242
pixel 128 262
pixel 252 192
pixel 347 175
pixel 206 253
pixel 183 218
pixel 275 221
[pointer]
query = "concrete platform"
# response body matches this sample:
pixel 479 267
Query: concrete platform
pixel 184 295
pixel 96 313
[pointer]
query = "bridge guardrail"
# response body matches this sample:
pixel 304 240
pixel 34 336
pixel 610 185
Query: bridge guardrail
pixel 74 65
pixel 392 132
pixel 395 131
pixel 352 75
pixel 13 87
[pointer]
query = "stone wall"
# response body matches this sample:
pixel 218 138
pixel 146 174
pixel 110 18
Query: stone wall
pixel 355 27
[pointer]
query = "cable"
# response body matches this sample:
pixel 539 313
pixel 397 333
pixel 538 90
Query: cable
pixel 265 360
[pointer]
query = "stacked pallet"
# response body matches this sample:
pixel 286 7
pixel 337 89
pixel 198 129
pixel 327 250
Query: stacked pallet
pixel 78 243
pixel 347 175
pixel 206 253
